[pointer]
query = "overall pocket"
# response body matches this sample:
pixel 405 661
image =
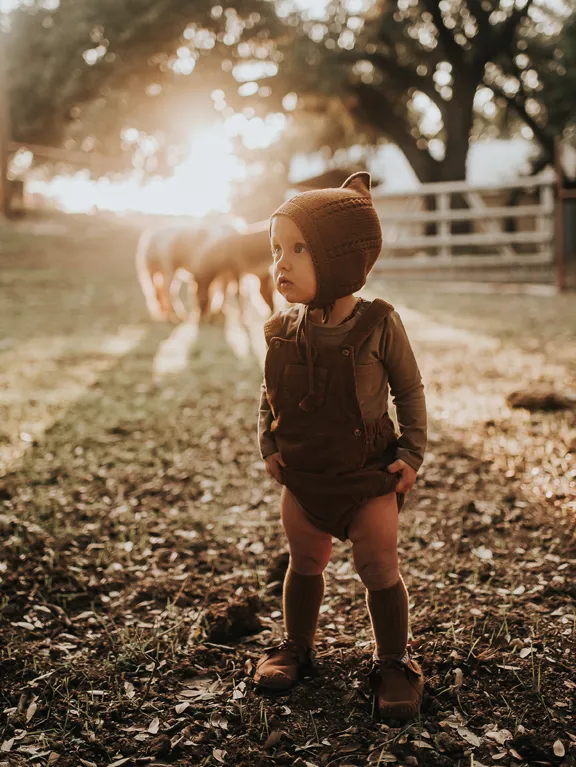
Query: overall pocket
pixel 383 444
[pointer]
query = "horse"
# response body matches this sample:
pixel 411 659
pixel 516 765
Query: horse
pixel 167 256
pixel 223 265
pixel 214 255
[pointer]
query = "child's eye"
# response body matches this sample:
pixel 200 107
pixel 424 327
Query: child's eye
pixel 276 249
pixel 300 248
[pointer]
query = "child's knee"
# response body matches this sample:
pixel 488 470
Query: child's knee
pixel 378 574
pixel 309 564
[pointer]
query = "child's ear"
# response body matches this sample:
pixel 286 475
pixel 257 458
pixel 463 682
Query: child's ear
pixel 360 182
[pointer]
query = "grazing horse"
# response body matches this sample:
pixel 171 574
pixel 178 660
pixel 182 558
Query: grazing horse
pixel 214 255
pixel 167 256
pixel 224 263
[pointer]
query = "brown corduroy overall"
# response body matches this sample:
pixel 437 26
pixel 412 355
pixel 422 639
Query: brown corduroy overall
pixel 334 459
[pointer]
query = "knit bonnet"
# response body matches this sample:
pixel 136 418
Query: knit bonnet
pixel 342 233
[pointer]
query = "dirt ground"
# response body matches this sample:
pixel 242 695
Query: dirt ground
pixel 141 554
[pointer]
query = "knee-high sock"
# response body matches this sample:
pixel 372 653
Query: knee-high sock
pixel 388 610
pixel 302 599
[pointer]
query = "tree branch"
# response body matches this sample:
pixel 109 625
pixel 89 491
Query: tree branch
pixel 379 110
pixel 407 78
pixel 545 139
pixel 482 17
pixel 453 50
pixel 500 42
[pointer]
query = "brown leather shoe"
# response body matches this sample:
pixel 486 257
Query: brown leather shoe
pixel 398 685
pixel 282 665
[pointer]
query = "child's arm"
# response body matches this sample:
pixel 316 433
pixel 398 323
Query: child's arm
pixel 268 449
pixel 266 441
pixel 407 391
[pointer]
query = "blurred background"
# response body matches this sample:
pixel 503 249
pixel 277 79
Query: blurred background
pixel 171 107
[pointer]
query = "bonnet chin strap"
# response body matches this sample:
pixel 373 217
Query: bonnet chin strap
pixel 308 404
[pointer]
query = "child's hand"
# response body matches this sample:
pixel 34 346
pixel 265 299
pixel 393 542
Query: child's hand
pixel 273 463
pixel 408 479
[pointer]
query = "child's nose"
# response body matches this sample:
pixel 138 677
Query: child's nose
pixel 284 261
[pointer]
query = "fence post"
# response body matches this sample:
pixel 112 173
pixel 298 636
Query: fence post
pixel 544 222
pixel 4 127
pixel 443 204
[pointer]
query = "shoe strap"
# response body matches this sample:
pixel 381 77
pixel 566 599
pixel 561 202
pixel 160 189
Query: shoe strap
pixel 290 646
pixel 402 663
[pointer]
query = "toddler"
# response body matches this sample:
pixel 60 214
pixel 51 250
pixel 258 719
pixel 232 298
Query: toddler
pixel 326 437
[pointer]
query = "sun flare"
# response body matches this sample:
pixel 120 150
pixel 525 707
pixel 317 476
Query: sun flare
pixel 200 185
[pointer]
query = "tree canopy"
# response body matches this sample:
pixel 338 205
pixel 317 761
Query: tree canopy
pixel 426 75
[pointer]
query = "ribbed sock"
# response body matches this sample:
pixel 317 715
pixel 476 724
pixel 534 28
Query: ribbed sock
pixel 302 599
pixel 388 610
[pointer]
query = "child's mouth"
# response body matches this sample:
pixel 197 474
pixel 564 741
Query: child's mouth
pixel 283 282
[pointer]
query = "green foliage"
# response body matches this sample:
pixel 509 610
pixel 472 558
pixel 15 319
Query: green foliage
pixel 431 75
pixel 113 56
pixel 427 75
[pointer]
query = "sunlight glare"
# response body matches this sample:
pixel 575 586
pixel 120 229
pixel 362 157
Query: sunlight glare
pixel 200 185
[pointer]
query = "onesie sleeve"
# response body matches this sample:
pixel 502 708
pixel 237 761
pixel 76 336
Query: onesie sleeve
pixel 266 440
pixel 407 391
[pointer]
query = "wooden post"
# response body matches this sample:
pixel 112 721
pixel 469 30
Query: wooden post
pixel 559 221
pixel 4 128
pixel 444 229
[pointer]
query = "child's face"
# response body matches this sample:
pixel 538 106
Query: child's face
pixel 294 273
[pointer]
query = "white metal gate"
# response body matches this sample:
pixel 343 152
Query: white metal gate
pixel 422 237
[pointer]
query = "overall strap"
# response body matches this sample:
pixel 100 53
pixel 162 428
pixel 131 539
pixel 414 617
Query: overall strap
pixel 273 327
pixel 284 324
pixel 372 317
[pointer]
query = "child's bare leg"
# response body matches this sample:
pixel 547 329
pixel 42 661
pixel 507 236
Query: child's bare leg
pixel 374 536
pixel 310 550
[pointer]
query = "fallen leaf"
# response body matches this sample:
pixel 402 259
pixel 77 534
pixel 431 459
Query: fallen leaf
pixel 217 720
pixel 273 739
pixel 349 749
pixel 558 748
pixel 500 736
pixel 154 726
pixel 181 707
pixel 130 691
pixel 219 755
pixel 458 678
pixel 421 744
pixel 32 708
pixel 468 736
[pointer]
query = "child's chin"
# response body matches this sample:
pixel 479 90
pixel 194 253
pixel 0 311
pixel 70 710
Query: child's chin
pixel 295 296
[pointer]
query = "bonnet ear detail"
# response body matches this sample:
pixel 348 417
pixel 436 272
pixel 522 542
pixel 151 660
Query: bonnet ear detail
pixel 360 182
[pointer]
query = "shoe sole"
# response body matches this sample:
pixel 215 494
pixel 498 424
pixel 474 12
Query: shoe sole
pixel 275 685
pixel 402 712
pixel 280 685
